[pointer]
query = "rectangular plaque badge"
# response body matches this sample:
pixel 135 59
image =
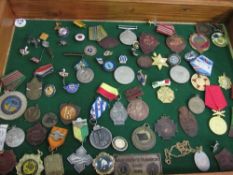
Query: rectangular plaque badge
pixel 145 164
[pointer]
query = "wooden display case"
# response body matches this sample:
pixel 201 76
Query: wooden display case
pixel 133 10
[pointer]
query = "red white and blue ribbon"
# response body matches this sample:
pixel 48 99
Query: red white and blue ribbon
pixel 98 107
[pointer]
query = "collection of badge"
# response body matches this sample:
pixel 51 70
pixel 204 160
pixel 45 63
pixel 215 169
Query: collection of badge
pixel 14 104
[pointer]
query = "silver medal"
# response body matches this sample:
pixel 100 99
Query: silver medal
pixel 196 105
pixel 85 75
pixel 100 137
pixel 124 75
pixel 15 137
pixel 179 74
pixel 118 113
pixel 128 37
pixel 202 161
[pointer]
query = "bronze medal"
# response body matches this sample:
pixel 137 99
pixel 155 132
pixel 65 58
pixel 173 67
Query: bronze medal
pixel 36 134
pixel 143 138
pixel 176 43
pixel 7 161
pixel 32 113
pixel 188 122
pixel 108 42
pixel 69 112
pixel 34 89
pixel 138 110
pixel 225 160
pixel 49 120
pixel 148 43
pixel 144 62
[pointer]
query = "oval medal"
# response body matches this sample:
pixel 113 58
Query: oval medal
pixel 218 125
pixel 13 104
pixel 15 137
pixel 32 113
pixel 143 138
pixel 144 62
pixel 196 105
pixel 202 161
pixel 100 137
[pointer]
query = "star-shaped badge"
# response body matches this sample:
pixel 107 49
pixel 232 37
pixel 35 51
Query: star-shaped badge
pixel 159 61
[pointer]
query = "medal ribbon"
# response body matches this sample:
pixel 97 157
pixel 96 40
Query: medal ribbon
pixel 80 129
pixel 3 129
pixel 98 107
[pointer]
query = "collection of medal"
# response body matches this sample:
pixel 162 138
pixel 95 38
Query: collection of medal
pixel 14 104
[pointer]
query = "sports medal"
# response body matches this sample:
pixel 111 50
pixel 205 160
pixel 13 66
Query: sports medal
pixel 118 113
pixel 80 159
pixel 56 137
pixel 165 127
pixel 13 104
pixel 143 137
pixel 104 163
pixel 30 164
pixel 69 112
pixel 15 137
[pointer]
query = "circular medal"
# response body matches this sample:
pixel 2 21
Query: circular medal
pixel 143 138
pixel 100 137
pixel 218 125
pixel 174 59
pixel 109 66
pixel 13 104
pixel 7 161
pixel 199 82
pixel 144 62
pixel 165 94
pixel 127 37
pixel 138 110
pixel 119 143
pixel 176 43
pixel 49 90
pixel 196 105
pixel 166 128
pixel 36 135
pixel 68 113
pixel 20 22
pixel 15 137
pixel 90 50
pixel 124 75
pixel 30 164
pixel 49 120
pixel 80 37
pixel 202 161
pixel 179 74
pixel 118 113
pixel 199 42
pixel 204 28
pixel 85 75
pixel 104 163
pixel 63 32
pixel 219 39
pixel 32 113
pixel 190 56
